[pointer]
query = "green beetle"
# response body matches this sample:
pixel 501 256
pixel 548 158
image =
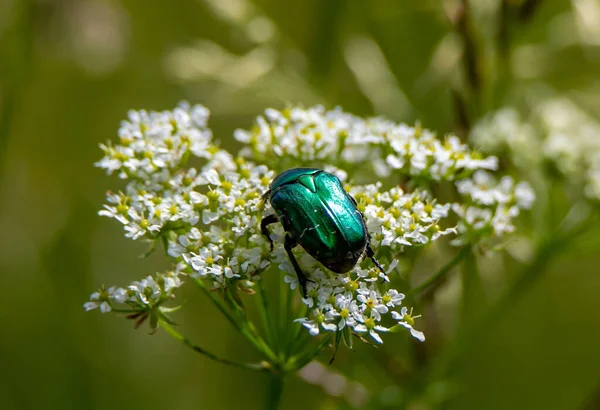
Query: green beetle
pixel 319 215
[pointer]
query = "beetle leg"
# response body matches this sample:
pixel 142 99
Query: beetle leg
pixel 290 243
pixel 371 255
pixel 268 220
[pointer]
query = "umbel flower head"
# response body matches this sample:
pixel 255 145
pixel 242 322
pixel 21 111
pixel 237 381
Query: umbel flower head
pixel 208 216
pixel 557 133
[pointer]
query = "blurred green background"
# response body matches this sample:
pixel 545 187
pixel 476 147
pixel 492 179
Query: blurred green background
pixel 70 70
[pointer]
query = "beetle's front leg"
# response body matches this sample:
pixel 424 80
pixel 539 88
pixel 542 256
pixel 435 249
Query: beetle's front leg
pixel 268 220
pixel 290 243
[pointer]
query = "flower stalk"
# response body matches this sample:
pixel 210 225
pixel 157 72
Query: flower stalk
pixel 274 392
pixel 198 349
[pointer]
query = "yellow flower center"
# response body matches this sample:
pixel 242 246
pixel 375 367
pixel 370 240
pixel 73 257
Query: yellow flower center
pixel 122 208
pixel 351 286
pixel 120 156
pixel 226 186
pixel 212 195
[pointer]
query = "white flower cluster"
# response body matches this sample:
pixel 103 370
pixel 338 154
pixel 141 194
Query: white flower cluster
pixel 355 301
pixel 572 142
pixel 226 244
pixel 208 218
pixel 505 131
pixel 318 137
pixel 558 132
pixel 152 151
pixel 490 206
pixel 396 219
pixel 315 136
pixel 140 296
pixel 152 142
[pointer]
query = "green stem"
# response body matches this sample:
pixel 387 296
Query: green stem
pixel 298 338
pixel 528 9
pixel 266 316
pixel 171 331
pixel 246 328
pixel 473 294
pixel 298 362
pixel 289 328
pixel 285 298
pixel 471 58
pixel 274 393
pixel 439 275
pixel 218 303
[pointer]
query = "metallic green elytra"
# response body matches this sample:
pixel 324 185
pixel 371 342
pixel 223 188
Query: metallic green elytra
pixel 319 215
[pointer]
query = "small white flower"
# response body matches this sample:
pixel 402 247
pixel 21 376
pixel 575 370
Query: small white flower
pixel 524 195
pixel 406 319
pixel 146 291
pixel 205 259
pixel 370 325
pixel 392 298
pixel 371 300
pixel 346 310
pixel 318 321
pixel 100 300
